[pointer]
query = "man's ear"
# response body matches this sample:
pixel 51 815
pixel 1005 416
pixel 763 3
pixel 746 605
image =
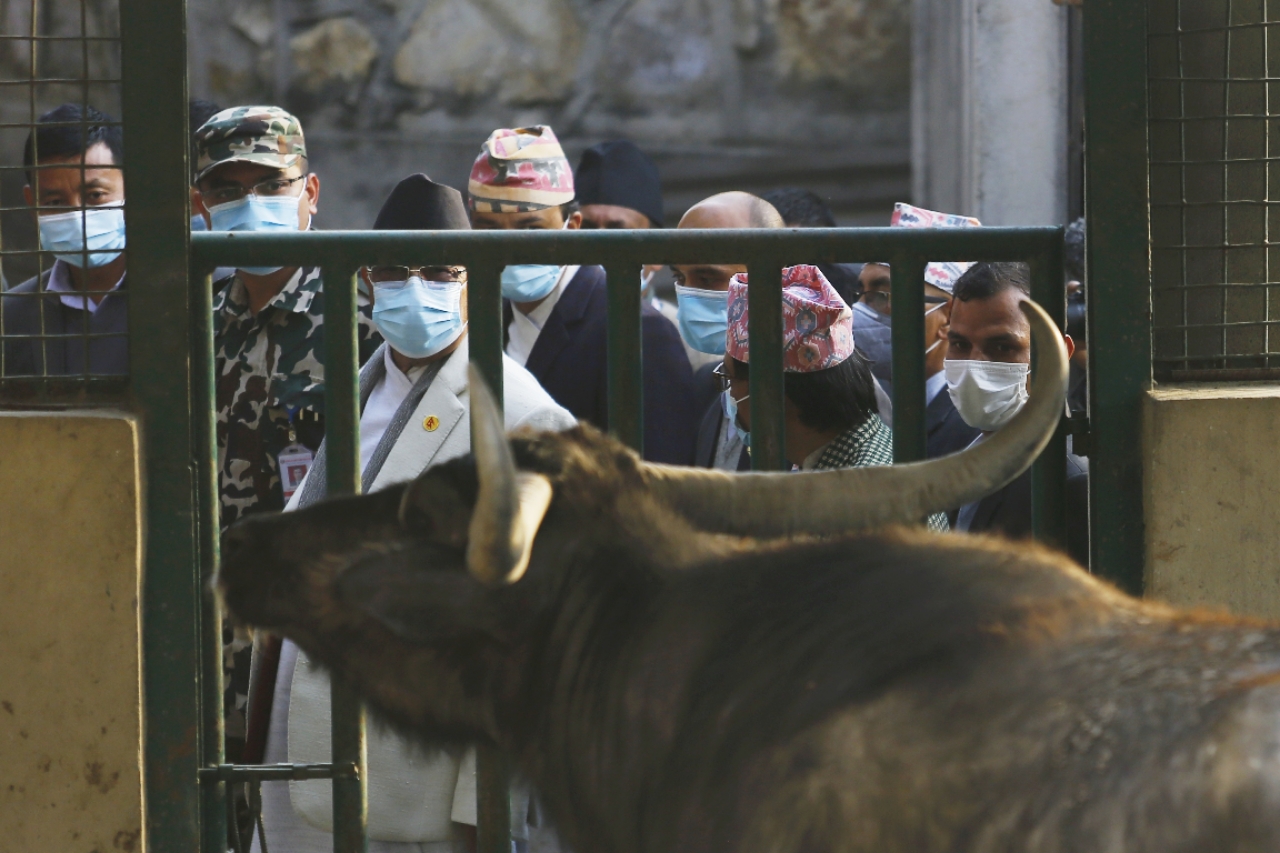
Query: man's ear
pixel 1071 346
pixel 313 192
pixel 575 221
pixel 28 195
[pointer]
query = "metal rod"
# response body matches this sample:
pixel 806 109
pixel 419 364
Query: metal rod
pixel 342 448
pixel 486 322
pixel 908 358
pixel 231 773
pixel 1049 473
pixel 350 249
pixel 626 382
pixel 767 385
pixel 1119 280
pixel 493 800
pixel 153 55
pixel 214 798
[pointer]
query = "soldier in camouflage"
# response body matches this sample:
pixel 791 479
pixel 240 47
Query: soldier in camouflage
pixel 251 175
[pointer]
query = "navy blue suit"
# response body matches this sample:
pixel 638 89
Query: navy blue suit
pixel 946 432
pixel 570 360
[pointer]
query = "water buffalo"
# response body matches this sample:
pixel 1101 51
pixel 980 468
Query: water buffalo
pixel 679 665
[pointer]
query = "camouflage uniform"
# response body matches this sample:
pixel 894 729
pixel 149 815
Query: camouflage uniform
pixel 269 366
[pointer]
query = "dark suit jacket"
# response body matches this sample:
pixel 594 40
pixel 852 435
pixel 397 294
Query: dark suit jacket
pixel 1008 511
pixel 569 359
pixel 63 353
pixel 946 431
pixel 709 437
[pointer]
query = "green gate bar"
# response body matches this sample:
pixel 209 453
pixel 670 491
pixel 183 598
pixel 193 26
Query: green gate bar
pixel 162 383
pixel 766 386
pixel 1049 474
pixel 626 381
pixel 342 456
pixel 1118 262
pixel 907 299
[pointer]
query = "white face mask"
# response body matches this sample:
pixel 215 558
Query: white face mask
pixel 987 394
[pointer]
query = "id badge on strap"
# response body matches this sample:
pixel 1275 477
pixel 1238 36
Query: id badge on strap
pixel 294 460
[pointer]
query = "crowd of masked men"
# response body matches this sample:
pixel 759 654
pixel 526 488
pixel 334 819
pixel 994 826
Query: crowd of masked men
pixel 250 173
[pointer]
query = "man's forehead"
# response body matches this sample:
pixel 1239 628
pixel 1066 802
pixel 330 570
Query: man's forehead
pixel 98 157
pixel 995 315
pixel 548 216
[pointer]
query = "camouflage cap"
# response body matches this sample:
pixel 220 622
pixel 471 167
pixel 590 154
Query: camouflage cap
pixel 268 136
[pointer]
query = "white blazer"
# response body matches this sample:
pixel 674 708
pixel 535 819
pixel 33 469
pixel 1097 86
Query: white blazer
pixel 413 796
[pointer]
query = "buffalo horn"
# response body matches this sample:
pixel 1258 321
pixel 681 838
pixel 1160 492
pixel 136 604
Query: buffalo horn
pixel 509 506
pixel 832 502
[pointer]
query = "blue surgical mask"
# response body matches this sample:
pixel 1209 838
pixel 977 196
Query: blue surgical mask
pixel 198 223
pixel 255 213
pixel 529 282
pixel 731 413
pixel 418 318
pixel 704 318
pixel 69 234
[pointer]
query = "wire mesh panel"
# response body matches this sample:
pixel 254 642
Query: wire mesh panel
pixel 1215 194
pixel 63 310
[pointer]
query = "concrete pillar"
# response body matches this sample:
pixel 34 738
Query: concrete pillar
pixel 1209 497
pixel 989 109
pixel 70 675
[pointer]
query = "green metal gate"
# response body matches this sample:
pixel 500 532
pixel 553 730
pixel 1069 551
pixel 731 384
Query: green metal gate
pixel 171 379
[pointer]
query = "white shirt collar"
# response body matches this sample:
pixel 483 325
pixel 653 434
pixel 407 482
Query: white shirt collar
pixel 61 284
pixel 934 385
pixel 524 329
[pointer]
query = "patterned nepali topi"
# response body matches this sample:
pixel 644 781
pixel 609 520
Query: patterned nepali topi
pixel 520 170
pixel 941 274
pixel 267 136
pixel 817 325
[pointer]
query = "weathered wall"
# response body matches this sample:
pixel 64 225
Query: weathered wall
pixel 1212 497
pixel 70 689
pixel 990 109
pixel 724 94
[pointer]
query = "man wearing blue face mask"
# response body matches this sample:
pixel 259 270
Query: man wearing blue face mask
pixel 414 413
pixel 702 297
pixel 557 317
pixel 76 311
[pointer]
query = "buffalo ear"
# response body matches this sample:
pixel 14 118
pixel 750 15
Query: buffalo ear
pixel 417 604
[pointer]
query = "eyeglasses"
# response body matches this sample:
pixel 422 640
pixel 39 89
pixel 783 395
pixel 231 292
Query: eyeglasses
pixel 718 373
pixel 270 188
pixel 388 275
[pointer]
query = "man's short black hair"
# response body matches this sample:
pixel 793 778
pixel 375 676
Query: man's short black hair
pixel 985 280
pixel 69 131
pixel 801 208
pixel 838 398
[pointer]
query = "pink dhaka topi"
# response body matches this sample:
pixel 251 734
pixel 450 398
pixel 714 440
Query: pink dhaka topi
pixel 941 274
pixel 817 325
pixel 520 170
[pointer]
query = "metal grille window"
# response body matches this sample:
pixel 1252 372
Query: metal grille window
pixel 1215 196
pixel 68 345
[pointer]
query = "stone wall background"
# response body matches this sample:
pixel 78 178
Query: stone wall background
pixel 723 94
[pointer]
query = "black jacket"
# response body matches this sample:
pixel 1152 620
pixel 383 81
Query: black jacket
pixel 62 352
pixel 1008 511
pixel 709 437
pixel 569 359
pixel 946 431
